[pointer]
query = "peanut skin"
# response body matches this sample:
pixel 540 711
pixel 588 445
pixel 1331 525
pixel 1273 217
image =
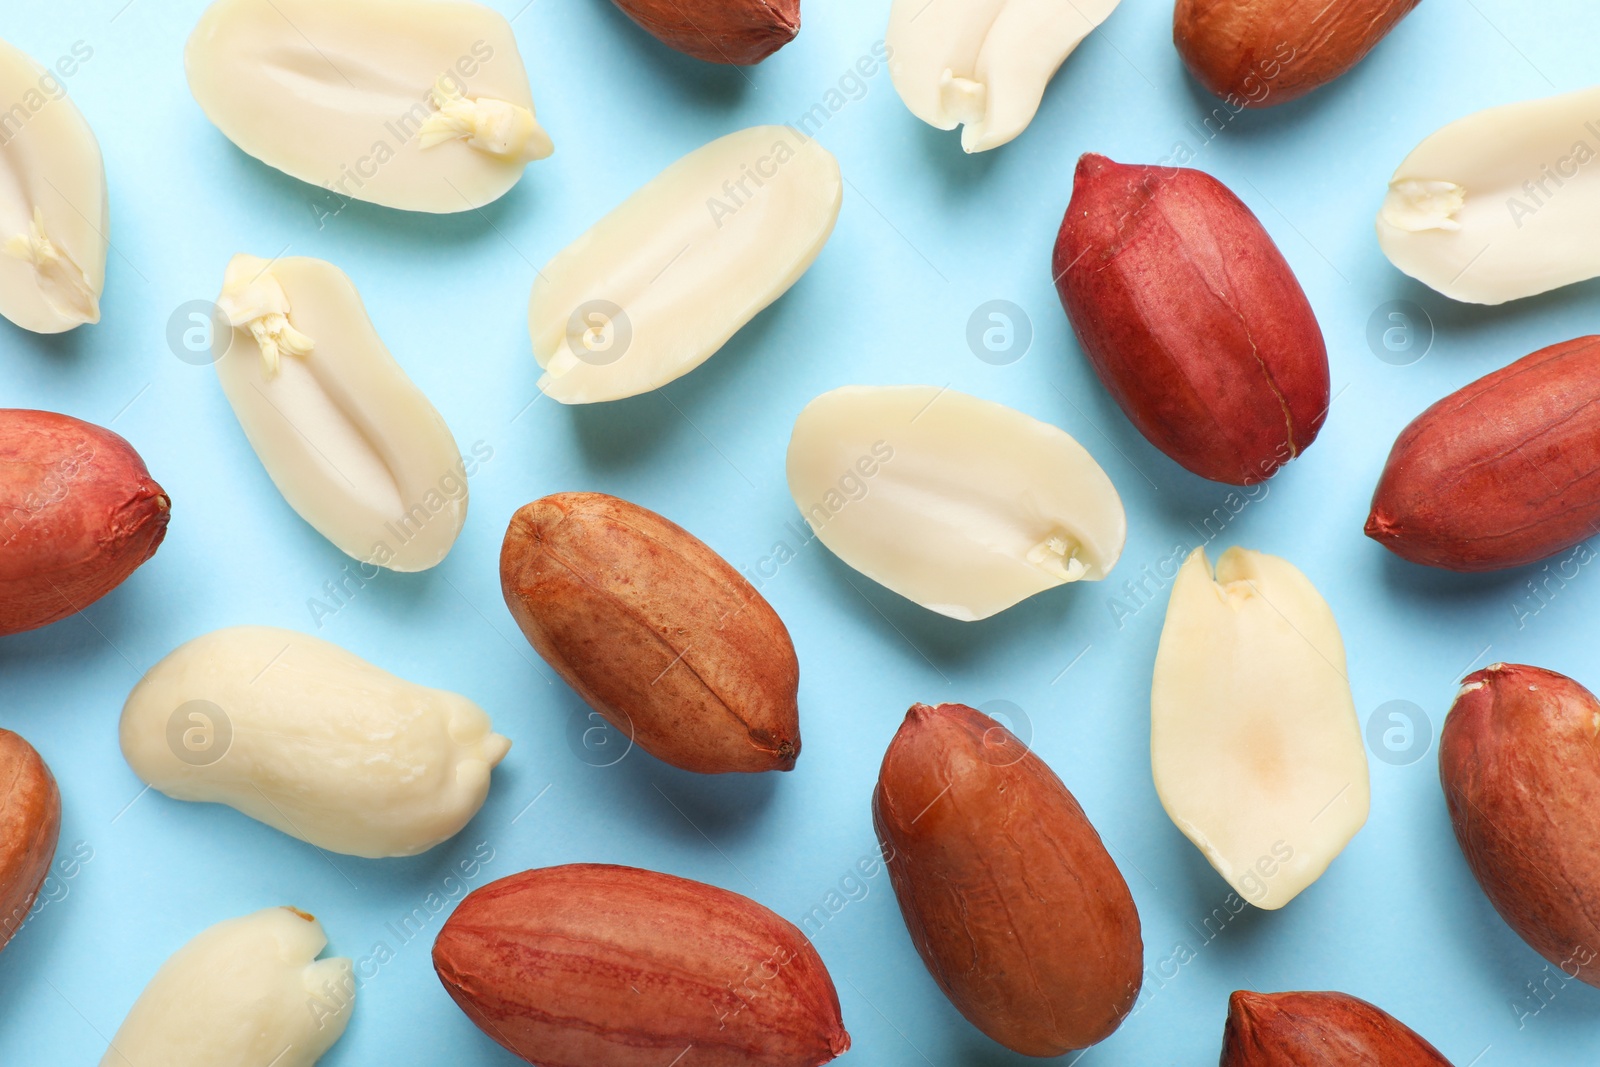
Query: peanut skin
pixel 1519 759
pixel 590 965
pixel 655 631
pixel 1192 318
pixel 1502 472
pixel 78 514
pixel 30 823
pixel 1257 53
pixel 1009 896
pixel 739 32
pixel 1317 1029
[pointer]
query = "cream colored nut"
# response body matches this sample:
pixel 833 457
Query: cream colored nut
pixel 960 504
pixel 1254 742
pixel 350 442
pixel 53 210
pixel 1502 204
pixel 247 992
pixel 421 105
pixel 311 740
pixel 983 64
pixel 652 290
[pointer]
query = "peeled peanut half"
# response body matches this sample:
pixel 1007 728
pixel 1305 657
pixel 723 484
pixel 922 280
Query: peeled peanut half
pixel 312 740
pixel 350 442
pixel 1254 741
pixel 656 287
pixel 983 64
pixel 422 105
pixel 960 504
pixel 54 216
pixel 248 992
pixel 1502 204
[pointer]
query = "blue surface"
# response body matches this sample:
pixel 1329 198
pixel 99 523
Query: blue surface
pixel 925 237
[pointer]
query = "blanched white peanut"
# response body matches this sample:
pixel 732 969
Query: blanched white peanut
pixel 54 218
pixel 247 992
pixel 652 290
pixel 1254 742
pixel 312 740
pixel 422 105
pixel 1501 204
pixel 350 442
pixel 960 504
pixel 983 64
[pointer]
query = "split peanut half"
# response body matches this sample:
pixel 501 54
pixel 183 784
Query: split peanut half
pixel 960 504
pixel 983 64
pixel 1254 742
pixel 54 216
pixel 350 442
pixel 247 991
pixel 422 105
pixel 656 287
pixel 1502 204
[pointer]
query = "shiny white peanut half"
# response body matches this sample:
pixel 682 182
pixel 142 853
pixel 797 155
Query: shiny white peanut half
pixel 983 64
pixel 1255 746
pixel 352 444
pixel 962 505
pixel 656 287
pixel 422 105
pixel 54 215
pixel 1501 204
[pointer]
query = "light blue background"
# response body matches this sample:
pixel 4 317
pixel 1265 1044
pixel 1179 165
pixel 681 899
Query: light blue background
pixel 925 236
